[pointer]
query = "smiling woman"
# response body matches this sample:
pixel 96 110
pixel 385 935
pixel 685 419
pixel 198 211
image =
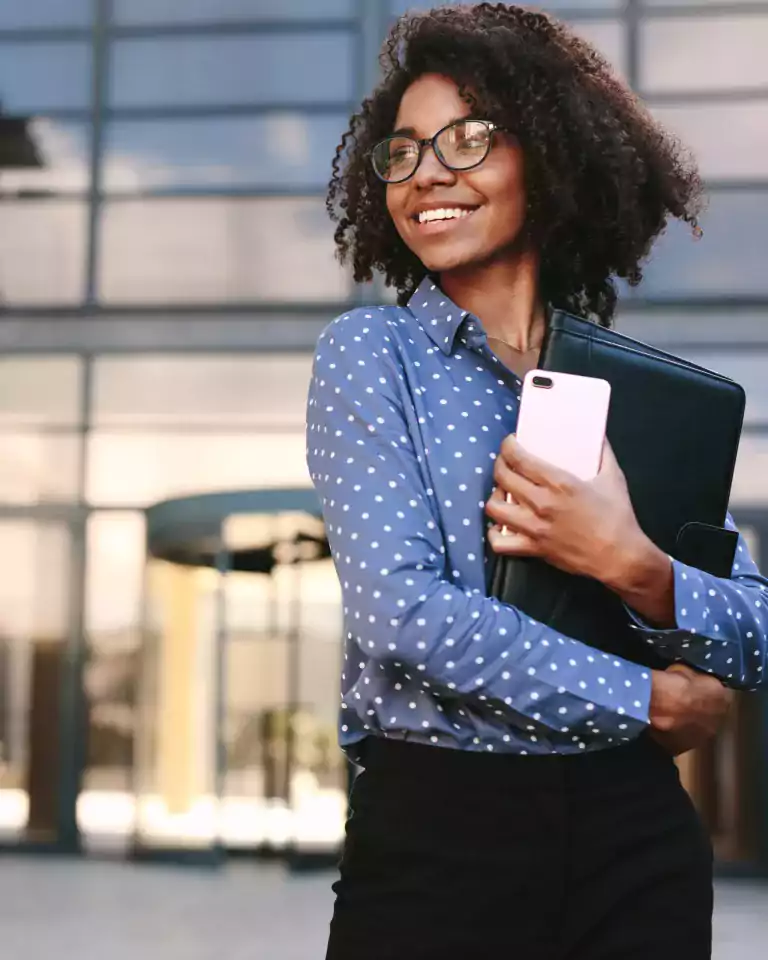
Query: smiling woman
pixel 501 168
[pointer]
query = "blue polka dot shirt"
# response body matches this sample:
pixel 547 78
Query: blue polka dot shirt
pixel 407 409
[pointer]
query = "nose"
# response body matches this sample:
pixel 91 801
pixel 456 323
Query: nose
pixel 430 171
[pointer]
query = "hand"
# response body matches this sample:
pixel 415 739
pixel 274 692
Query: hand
pixel 582 527
pixel 687 708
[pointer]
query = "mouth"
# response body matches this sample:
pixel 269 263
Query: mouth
pixel 441 219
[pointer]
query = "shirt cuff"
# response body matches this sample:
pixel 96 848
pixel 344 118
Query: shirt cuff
pixel 689 603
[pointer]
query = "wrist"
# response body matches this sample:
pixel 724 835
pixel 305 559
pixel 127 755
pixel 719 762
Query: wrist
pixel 643 577
pixel 669 690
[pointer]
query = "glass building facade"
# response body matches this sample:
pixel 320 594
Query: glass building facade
pixel 166 265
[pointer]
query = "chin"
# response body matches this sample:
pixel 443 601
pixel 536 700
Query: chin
pixel 445 261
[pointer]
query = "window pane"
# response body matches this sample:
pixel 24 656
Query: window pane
pixel 114 630
pixel 177 464
pixel 703 54
pixel 45 13
pixel 43 251
pixel 729 140
pixel 276 150
pixel 40 391
pixel 191 11
pixel 211 249
pixel 38 467
pixel 34 599
pixel 750 484
pixel 64 150
pixel 729 260
pixel 232 70
pixel 157 391
pixel 35 77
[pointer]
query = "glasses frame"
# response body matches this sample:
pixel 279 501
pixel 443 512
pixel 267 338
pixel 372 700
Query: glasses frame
pixel 432 142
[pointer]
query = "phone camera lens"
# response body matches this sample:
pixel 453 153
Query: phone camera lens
pixel 543 382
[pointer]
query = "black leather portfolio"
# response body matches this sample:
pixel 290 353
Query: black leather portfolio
pixel 675 429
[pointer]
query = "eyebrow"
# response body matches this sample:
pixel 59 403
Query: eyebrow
pixel 411 131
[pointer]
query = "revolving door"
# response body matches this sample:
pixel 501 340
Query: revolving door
pixel 237 693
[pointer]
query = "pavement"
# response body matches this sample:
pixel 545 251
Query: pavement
pixel 56 909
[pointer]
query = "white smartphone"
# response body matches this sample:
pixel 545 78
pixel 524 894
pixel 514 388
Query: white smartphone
pixel 563 420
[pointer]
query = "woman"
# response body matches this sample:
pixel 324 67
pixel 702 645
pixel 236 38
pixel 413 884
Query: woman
pixel 513 802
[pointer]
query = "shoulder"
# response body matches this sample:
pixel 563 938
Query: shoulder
pixel 362 336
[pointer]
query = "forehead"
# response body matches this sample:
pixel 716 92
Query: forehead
pixel 431 102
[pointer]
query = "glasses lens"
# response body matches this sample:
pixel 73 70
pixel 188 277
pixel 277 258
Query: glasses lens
pixel 464 144
pixel 395 158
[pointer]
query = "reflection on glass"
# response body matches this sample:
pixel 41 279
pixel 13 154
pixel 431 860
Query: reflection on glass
pixel 741 154
pixel 39 467
pixel 113 623
pixel 175 464
pixel 245 69
pixel 45 13
pixel 42 252
pixel 274 150
pixel 285 781
pixel 202 11
pixel 166 391
pixel 728 260
pixel 686 54
pixel 211 249
pixel 175 761
pixel 37 77
pixel 34 600
pixel 40 391
pixel 64 150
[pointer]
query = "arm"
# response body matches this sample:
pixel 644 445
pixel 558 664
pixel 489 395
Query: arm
pixel 717 625
pixel 589 528
pixel 401 608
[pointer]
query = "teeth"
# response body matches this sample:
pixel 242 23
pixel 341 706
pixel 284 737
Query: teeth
pixel 444 213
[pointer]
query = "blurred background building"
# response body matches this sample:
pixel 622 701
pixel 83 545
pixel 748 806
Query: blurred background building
pixel 167 670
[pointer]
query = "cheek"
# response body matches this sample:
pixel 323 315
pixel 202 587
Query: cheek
pixel 395 199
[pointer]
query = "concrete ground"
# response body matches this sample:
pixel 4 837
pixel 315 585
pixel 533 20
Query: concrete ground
pixel 97 910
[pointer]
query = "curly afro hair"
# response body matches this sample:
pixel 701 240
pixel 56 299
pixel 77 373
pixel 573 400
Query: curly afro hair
pixel 601 176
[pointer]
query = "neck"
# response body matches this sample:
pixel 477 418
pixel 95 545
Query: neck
pixel 504 296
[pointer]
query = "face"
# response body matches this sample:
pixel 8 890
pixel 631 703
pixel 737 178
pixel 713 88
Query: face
pixel 492 193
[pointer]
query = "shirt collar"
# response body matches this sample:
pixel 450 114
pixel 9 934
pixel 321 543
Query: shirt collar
pixel 437 314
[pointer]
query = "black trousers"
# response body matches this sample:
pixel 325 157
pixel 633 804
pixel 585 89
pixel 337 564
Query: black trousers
pixel 449 855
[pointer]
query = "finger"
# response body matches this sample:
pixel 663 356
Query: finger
pixel 515 516
pixel 533 468
pixel 519 487
pixel 511 544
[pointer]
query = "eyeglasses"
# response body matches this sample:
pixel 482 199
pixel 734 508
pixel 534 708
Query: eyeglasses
pixel 461 145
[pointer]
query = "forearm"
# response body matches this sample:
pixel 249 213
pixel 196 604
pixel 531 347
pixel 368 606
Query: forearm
pixel 643 577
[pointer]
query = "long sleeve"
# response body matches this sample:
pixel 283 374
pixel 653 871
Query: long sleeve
pixel 721 625
pixel 401 606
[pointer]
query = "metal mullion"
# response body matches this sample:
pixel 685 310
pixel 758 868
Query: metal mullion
pixel 98 97
pixel 685 97
pixel 45 34
pixel 707 12
pixel 214 111
pixel 212 193
pixel 223 28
